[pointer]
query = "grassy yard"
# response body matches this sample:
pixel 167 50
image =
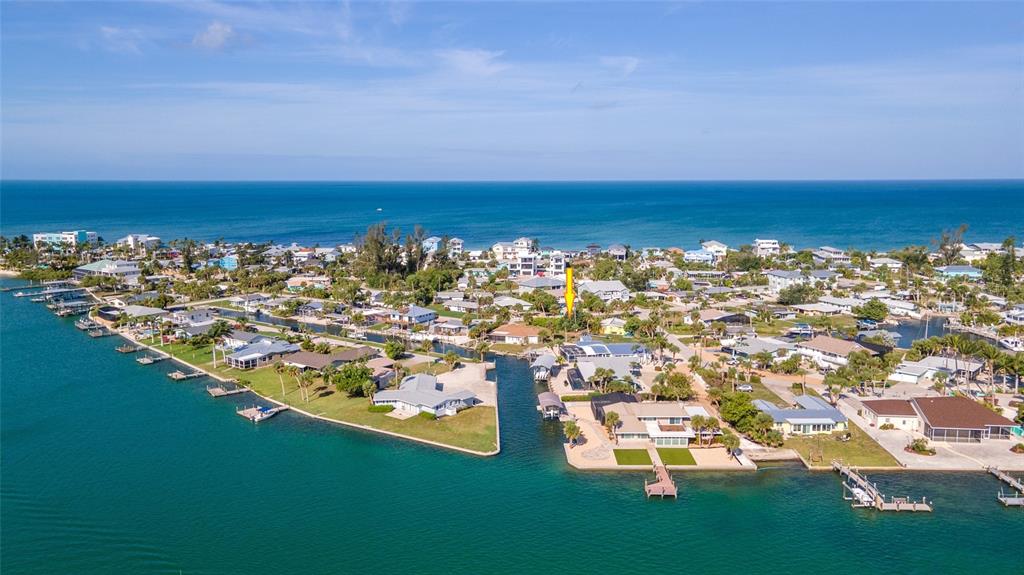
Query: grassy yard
pixel 441 311
pixel 633 457
pixel 474 428
pixel 860 450
pixel 676 456
pixel 507 348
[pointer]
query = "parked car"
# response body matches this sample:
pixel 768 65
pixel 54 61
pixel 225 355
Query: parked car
pixel 745 387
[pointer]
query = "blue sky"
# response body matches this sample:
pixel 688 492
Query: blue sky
pixel 398 91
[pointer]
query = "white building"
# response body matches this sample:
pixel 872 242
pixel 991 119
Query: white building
pixel 58 239
pixel 139 243
pixel 717 248
pixel 606 290
pixel 766 248
pixel 456 247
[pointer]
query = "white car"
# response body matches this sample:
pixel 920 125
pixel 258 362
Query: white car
pixel 745 387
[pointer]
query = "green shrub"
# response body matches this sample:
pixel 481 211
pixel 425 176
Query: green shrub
pixel 754 378
pixel 381 408
pixel 577 397
pixel 886 426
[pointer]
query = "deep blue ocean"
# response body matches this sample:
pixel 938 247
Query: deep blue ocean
pixel 869 215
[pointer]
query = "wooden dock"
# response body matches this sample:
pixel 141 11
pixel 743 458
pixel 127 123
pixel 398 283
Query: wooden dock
pixel 218 391
pixel 151 359
pixel 864 494
pixel 663 486
pixel 257 414
pixel 127 348
pixel 1014 498
pixel 182 376
pixel 100 332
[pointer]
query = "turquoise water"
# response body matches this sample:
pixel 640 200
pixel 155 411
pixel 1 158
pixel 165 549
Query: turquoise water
pixel 868 215
pixel 110 467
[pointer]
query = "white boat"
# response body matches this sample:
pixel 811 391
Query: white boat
pixel 861 496
pixel 1012 343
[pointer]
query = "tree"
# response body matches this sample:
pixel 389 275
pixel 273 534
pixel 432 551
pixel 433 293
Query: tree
pixel 611 421
pixel 797 294
pixel 394 349
pixel 601 378
pixel 452 359
pixel 572 432
pixel 306 380
pixel 950 243
pixel 731 442
pixel 279 369
pixel 352 377
pixel 873 310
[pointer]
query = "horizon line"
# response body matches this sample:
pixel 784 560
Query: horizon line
pixel 505 181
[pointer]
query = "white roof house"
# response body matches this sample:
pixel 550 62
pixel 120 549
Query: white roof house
pixel 422 393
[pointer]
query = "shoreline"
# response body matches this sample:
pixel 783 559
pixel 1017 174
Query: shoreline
pixel 351 425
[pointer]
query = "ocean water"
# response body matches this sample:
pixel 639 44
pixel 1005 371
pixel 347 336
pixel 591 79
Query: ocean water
pixel 110 467
pixel 868 215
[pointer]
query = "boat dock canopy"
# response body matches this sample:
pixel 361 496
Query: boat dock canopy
pixel 549 400
pixel 546 361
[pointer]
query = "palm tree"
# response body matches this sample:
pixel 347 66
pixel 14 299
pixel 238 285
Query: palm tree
pixel 611 421
pixel 731 442
pixel 451 358
pixel 482 348
pixel 306 379
pixel 572 432
pixel 279 369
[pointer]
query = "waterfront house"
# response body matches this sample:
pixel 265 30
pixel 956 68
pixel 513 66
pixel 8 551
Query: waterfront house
pixel 316 361
pixel 141 312
pixel 812 416
pixel 249 302
pixel 412 315
pixel 832 257
pixel 663 423
pixel 422 393
pixel 700 256
pixel 456 246
pixel 71 239
pixel 718 249
pixel 448 326
pixel 199 316
pixel 748 347
pixel 260 352
pixel 960 420
pixel 124 271
pixel 139 243
pixel 587 347
pixel 927 367
pixel 766 248
pixel 828 351
pixel 624 369
pixel 618 252
pixel 516 334
pixel 891 264
pixel 899 413
pixel 432 244
pixel 238 339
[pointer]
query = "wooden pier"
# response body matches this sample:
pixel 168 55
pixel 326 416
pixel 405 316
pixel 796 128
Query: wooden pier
pixel 218 391
pixel 864 494
pixel 182 376
pixel 663 486
pixel 1014 498
pixel 257 414
pixel 151 359
pixel 100 332
pixel 127 348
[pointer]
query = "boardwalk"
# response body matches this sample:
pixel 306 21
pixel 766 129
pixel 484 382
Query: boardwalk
pixel 863 493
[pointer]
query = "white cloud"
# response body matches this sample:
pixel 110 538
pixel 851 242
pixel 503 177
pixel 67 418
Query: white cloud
pixel 473 62
pixel 624 65
pixel 123 40
pixel 215 37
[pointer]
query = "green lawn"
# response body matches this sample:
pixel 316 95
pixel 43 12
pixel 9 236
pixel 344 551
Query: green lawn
pixel 474 428
pixel 859 451
pixel 762 392
pixel 676 456
pixel 633 457
pixel 441 311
